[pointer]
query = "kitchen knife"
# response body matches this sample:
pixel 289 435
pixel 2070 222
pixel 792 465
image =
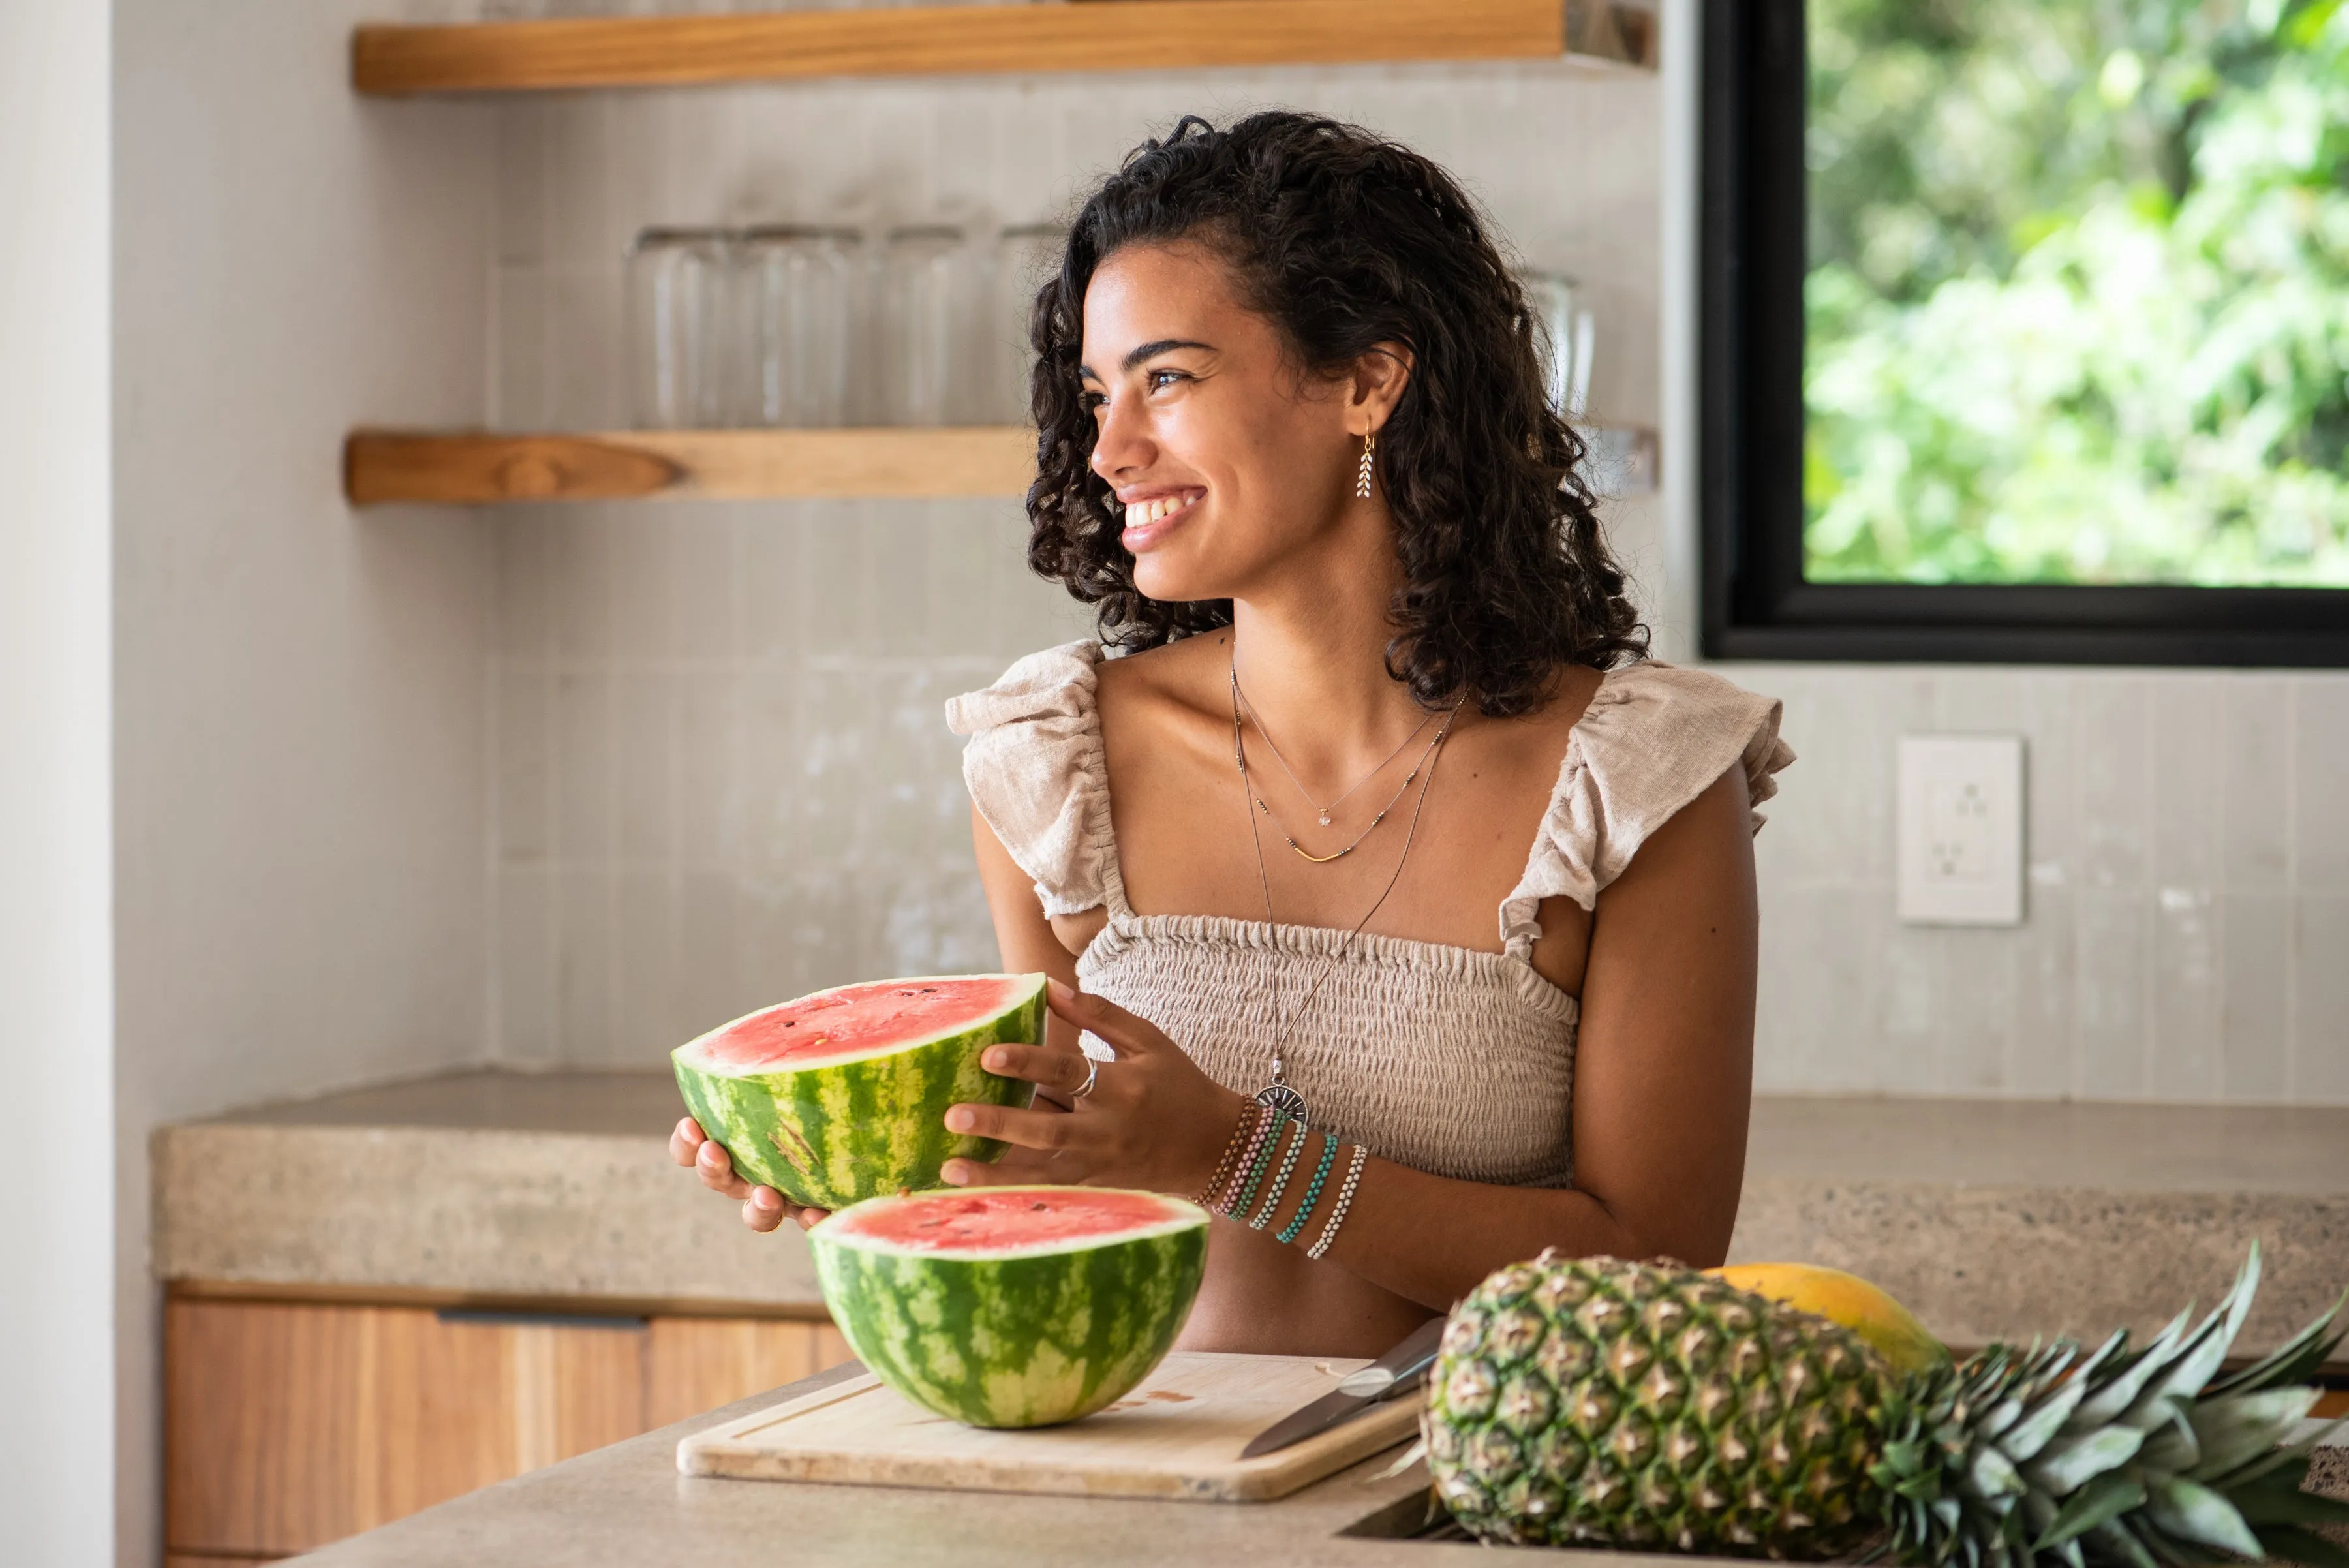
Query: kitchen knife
pixel 1399 1372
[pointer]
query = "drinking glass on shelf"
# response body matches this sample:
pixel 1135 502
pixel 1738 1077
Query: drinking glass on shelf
pixel 1565 339
pixel 798 291
pixel 681 328
pixel 928 371
pixel 1026 257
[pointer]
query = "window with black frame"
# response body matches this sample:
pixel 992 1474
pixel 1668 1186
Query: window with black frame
pixel 2026 329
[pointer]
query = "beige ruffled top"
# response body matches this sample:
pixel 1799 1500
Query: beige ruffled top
pixel 1456 1061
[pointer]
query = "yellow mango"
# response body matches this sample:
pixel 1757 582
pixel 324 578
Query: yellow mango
pixel 1845 1299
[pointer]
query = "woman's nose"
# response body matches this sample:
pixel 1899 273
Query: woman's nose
pixel 1121 442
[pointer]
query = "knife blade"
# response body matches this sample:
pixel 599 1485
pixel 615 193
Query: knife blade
pixel 1399 1372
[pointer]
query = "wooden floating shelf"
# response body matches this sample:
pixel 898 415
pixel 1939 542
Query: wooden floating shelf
pixel 1138 34
pixel 381 467
pixel 709 465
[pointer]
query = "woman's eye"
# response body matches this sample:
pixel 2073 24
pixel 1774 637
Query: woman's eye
pixel 1091 402
pixel 1160 380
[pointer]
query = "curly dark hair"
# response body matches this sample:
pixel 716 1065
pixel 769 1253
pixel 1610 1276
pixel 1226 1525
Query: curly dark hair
pixel 1344 241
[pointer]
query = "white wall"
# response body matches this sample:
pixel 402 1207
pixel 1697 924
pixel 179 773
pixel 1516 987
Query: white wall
pixel 57 1128
pixel 299 690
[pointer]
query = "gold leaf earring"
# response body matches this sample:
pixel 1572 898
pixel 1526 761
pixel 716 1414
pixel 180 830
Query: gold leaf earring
pixel 1362 480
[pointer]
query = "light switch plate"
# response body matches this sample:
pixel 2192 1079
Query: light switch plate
pixel 1961 830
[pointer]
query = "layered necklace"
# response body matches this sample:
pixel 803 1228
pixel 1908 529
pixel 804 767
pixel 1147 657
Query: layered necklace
pixel 1279 1095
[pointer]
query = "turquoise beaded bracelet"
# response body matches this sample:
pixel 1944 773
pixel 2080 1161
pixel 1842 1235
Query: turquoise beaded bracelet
pixel 1290 1231
pixel 1271 1204
pixel 1247 1199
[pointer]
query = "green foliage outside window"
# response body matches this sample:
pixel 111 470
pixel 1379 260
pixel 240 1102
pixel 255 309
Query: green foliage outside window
pixel 2078 302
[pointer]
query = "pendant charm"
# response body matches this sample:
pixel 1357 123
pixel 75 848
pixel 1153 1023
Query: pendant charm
pixel 1325 819
pixel 1278 1097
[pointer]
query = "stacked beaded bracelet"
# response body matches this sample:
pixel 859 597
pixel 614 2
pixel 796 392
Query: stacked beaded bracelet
pixel 1290 1231
pixel 1345 1200
pixel 1271 1204
pixel 1240 1131
pixel 1257 1166
pixel 1246 1139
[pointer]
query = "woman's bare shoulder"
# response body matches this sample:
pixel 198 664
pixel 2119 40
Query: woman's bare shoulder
pixel 1535 744
pixel 1174 677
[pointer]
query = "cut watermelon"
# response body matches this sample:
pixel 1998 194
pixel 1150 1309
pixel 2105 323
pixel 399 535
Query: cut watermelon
pixel 1012 1306
pixel 842 1095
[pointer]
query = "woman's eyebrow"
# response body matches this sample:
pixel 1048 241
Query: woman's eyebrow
pixel 1147 351
pixel 1151 350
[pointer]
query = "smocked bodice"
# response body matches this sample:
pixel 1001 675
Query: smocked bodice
pixel 1452 1060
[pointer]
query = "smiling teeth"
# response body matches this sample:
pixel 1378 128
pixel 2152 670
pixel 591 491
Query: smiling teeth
pixel 1141 512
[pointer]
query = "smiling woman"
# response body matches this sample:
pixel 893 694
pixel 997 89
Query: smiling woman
pixel 1397 907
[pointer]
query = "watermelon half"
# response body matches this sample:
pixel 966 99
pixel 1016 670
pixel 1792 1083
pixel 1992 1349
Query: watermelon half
pixel 1012 1306
pixel 842 1095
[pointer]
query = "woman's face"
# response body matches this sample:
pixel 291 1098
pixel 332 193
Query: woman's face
pixel 1232 465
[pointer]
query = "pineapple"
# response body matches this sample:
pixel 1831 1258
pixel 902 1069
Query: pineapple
pixel 1606 1403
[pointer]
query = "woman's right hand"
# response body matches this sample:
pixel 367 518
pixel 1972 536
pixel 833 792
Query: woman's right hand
pixel 763 1208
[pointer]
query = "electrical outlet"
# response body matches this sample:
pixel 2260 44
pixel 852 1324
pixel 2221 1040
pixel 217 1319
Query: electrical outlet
pixel 1961 830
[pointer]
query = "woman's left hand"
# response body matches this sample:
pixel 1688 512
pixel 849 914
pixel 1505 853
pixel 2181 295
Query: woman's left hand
pixel 1153 1119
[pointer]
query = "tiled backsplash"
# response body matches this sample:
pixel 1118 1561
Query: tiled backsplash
pixel 722 777
pixel 2186 921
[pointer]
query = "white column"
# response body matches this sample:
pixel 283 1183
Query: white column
pixel 56 1032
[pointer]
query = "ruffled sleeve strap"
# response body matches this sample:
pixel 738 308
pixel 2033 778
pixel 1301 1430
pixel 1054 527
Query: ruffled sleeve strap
pixel 1653 739
pixel 1036 772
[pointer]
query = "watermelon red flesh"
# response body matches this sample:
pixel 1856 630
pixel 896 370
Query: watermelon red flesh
pixel 1012 1306
pixel 851 1021
pixel 860 1108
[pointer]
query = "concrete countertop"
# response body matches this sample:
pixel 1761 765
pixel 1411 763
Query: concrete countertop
pixel 1991 1219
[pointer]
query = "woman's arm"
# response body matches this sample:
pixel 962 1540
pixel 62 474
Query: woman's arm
pixel 1028 942
pixel 1662 1087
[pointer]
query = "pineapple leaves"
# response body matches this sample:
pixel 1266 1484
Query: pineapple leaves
pixel 2116 1544
pixel 2174 1447
pixel 2106 1497
pixel 2133 1374
pixel 1991 1475
pixel 2233 1431
pixel 2180 1507
pixel 2036 1429
pixel 2072 1461
pixel 2196 1360
pixel 2290 1362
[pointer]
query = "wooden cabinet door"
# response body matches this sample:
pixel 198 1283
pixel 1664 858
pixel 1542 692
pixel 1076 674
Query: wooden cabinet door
pixel 697 1364
pixel 288 1426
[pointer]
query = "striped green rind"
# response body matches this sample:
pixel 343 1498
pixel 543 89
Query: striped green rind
pixel 1015 1340
pixel 831 1135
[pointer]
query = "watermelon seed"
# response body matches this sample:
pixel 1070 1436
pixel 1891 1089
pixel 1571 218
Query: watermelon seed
pixel 1037 1205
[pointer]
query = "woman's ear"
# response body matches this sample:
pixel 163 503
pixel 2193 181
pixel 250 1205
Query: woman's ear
pixel 1380 377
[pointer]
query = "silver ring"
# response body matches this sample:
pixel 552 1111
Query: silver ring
pixel 1093 1077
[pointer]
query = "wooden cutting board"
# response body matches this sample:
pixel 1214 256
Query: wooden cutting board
pixel 1179 1434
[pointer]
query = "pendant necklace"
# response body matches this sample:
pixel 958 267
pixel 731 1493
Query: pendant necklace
pixel 1273 747
pixel 1239 697
pixel 1279 1094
